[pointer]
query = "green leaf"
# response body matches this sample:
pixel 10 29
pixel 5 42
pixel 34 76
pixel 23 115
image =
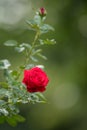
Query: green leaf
pixel 33 59
pixel 14 72
pixel 4 111
pixel 2 119
pixel 34 98
pixel 37 19
pixel 40 66
pixel 32 25
pixel 19 49
pixel 27 45
pixel 46 28
pixel 19 118
pixel 41 41
pixel 36 51
pixel 42 56
pixel 52 41
pixel 4 64
pixel 11 43
pixel 3 91
pixel 2 102
pixel 29 66
pixel 11 121
pixel 41 96
pixel 47 41
pixel 4 84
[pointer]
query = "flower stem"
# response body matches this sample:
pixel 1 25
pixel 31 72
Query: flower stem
pixel 29 53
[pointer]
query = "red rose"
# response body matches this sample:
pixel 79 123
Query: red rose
pixel 35 80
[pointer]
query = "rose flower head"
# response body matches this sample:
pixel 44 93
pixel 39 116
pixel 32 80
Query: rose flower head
pixel 42 12
pixel 35 80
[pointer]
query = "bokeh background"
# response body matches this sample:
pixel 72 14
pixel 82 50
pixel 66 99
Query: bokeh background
pixel 66 65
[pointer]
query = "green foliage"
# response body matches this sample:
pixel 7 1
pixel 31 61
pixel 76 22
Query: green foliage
pixel 4 64
pixel 12 91
pixel 38 24
pixel 12 120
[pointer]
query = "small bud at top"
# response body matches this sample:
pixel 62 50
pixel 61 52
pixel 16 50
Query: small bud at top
pixel 42 12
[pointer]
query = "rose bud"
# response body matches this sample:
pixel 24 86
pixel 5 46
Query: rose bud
pixel 35 80
pixel 42 12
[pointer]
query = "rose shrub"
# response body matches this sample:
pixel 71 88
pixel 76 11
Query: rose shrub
pixel 13 90
pixel 35 80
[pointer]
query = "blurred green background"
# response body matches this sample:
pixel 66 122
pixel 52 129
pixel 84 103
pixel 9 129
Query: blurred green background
pixel 66 65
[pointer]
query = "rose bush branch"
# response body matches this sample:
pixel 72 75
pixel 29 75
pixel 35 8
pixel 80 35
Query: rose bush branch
pixel 13 90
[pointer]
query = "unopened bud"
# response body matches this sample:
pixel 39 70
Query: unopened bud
pixel 42 12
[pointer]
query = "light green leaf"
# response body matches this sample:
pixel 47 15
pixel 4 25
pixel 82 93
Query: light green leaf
pixel 19 49
pixel 11 43
pixel 2 91
pixel 41 41
pixel 29 66
pixel 36 51
pixel 46 28
pixel 40 66
pixel 32 25
pixel 4 111
pixel 33 59
pixel 42 56
pixel 37 19
pixel 4 64
pixel 2 102
pixel 27 45
pixel 41 96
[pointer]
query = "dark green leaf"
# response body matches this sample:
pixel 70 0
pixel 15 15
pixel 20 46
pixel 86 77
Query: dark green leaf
pixel 2 119
pixel 19 118
pixel 11 121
